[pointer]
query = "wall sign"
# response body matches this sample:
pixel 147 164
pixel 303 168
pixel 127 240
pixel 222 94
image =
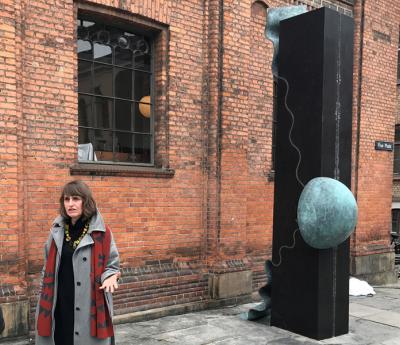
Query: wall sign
pixel 383 146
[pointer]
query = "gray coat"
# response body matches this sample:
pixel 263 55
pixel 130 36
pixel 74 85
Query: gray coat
pixel 81 261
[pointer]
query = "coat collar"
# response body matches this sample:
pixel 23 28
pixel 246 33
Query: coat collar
pixel 57 230
pixel 96 223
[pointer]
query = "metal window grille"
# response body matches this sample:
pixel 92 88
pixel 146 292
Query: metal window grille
pixel 115 94
pixel 395 220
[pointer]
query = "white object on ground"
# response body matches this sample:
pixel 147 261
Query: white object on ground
pixel 359 287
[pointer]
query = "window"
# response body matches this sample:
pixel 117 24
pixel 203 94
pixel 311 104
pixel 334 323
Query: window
pixel 395 220
pixel 115 93
pixel 396 163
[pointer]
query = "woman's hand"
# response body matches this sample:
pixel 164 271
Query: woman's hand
pixel 111 283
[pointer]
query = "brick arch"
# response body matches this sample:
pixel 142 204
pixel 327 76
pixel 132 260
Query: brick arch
pixel 259 8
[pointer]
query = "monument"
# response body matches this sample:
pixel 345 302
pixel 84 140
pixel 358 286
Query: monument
pixel 309 294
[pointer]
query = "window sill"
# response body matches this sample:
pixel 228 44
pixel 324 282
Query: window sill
pixel 94 169
pixel 396 177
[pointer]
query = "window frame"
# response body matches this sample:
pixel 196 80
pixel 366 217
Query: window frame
pixel 160 32
pixel 136 30
pixel 396 220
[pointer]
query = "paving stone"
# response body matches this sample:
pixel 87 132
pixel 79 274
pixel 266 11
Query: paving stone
pixel 199 335
pixel 365 332
pixel 386 318
pixel 362 311
pixel 380 301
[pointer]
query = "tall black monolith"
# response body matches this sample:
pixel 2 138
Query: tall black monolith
pixel 310 287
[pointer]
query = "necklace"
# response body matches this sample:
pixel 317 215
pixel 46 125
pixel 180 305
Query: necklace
pixel 76 242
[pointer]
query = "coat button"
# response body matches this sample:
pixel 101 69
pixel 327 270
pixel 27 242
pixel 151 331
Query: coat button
pixel 76 333
pixel 77 308
pixel 84 259
pixel 78 283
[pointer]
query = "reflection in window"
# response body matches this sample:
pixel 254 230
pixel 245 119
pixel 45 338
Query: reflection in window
pixel 84 49
pixel 115 92
pixel 123 114
pixel 102 53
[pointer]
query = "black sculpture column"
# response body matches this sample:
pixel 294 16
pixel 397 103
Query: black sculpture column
pixel 310 286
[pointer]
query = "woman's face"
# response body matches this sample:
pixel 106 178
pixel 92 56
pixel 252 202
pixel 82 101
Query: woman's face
pixel 73 206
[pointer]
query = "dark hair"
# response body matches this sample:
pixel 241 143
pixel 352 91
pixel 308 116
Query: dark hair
pixel 79 188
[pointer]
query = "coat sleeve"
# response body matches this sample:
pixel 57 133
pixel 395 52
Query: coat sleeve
pixel 113 261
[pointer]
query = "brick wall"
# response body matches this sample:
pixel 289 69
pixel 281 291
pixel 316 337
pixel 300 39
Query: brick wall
pixel 374 118
pixel 214 129
pixel 12 239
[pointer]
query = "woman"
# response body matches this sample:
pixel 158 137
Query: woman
pixel 80 272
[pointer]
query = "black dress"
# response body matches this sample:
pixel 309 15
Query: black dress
pixel 64 312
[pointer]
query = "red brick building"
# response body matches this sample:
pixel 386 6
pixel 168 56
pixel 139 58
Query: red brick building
pixel 175 101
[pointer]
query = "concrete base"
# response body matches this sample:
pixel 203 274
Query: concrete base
pixel 231 284
pixel 376 269
pixel 16 319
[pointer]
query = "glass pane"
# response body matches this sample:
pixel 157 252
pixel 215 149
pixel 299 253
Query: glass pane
pixel 123 83
pixel 102 52
pixel 396 166
pixel 142 53
pixel 84 76
pixel 397 151
pixel 87 24
pixel 142 117
pixel 396 159
pixel 123 56
pixel 397 134
pixel 395 217
pixel 123 115
pixel 142 85
pixel 142 148
pixel 143 62
pixel 85 113
pixel 398 65
pixel 103 108
pixel 85 50
pixel 102 143
pixel 123 147
pixel 85 148
pixel 103 80
pixel 83 135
